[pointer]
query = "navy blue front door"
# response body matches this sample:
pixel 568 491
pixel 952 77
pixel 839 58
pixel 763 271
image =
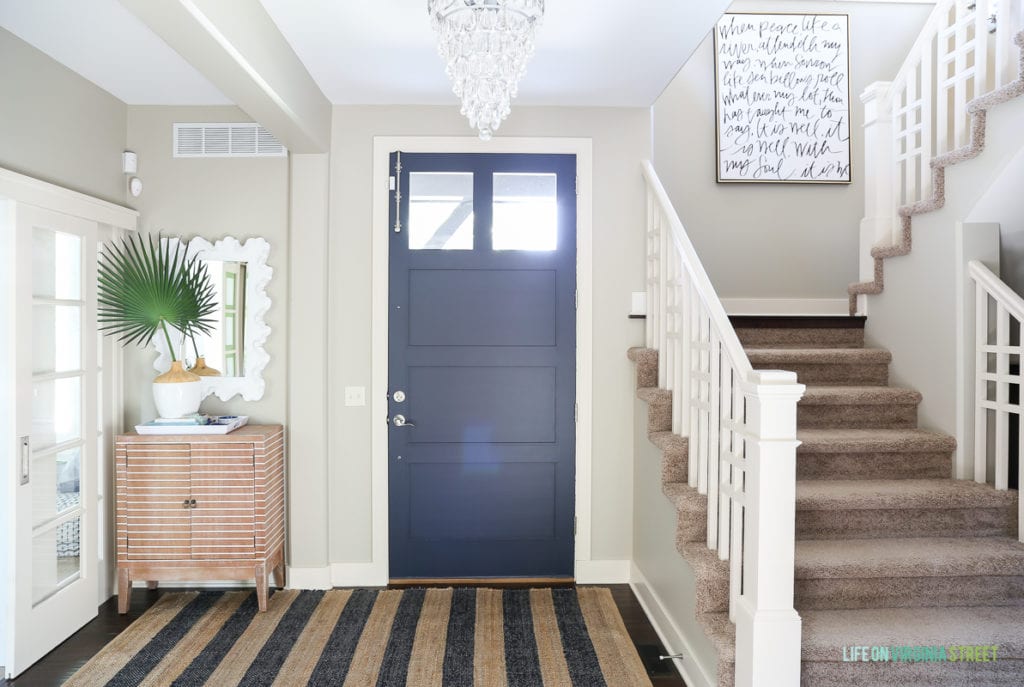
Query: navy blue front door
pixel 482 366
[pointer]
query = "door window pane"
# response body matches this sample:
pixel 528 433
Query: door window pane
pixel 55 558
pixel 56 411
pixel 525 212
pixel 440 211
pixel 56 338
pixel 56 484
pixel 56 264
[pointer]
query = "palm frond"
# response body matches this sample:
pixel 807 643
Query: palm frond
pixel 144 286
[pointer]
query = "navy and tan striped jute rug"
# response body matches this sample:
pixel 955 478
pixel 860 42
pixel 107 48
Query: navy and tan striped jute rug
pixel 374 638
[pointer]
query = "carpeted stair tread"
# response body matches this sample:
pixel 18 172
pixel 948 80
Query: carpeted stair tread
pixel 720 631
pixel 659 408
pixel 804 337
pixel 654 395
pixel 674 455
pixel 826 366
pixel 691 512
pixel 711 575
pixel 646 360
pixel 685 498
pixel 899 494
pixel 639 354
pixel 916 557
pixel 859 395
pixel 819 356
pixel 668 441
pixel 841 440
pixel 825 633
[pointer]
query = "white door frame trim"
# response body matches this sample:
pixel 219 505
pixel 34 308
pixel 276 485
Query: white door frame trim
pixel 383 146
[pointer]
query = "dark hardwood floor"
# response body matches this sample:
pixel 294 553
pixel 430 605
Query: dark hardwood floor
pixel 58 665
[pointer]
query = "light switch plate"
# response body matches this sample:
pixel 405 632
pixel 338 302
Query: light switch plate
pixel 355 395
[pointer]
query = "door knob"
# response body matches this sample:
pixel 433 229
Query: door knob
pixel 400 421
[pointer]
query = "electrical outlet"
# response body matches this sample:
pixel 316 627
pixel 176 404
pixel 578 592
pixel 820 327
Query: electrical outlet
pixel 355 395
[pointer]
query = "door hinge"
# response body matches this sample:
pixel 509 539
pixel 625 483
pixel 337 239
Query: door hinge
pixel 576 412
pixel 576 299
pixel 391 183
pixel 576 186
pixel 574 523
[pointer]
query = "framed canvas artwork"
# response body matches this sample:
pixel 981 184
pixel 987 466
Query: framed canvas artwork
pixel 782 98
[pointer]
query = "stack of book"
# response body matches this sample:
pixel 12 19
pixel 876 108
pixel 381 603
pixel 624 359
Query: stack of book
pixel 193 424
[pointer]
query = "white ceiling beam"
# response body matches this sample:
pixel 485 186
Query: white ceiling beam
pixel 238 47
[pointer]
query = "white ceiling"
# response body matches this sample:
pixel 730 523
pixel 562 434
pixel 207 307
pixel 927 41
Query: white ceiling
pixel 108 45
pixel 589 52
pixel 373 51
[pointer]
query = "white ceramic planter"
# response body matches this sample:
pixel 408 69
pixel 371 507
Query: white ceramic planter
pixel 177 393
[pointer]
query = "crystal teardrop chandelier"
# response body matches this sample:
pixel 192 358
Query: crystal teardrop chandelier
pixel 485 45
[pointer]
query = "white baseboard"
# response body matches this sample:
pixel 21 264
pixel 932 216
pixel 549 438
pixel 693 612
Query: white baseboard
pixel 673 639
pixel 338 575
pixel 359 574
pixel 603 572
pixel 309 578
pixel 786 306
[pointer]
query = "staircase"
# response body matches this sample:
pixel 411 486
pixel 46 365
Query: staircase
pixel 891 551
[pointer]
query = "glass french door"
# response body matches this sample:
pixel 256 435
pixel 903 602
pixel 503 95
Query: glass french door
pixel 56 421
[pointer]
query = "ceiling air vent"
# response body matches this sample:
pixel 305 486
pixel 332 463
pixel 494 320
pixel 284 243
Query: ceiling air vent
pixel 225 140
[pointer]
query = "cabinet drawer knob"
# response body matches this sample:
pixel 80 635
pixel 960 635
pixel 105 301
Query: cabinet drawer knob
pixel 192 503
pixel 184 504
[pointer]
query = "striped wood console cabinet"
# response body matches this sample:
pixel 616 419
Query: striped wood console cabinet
pixel 201 507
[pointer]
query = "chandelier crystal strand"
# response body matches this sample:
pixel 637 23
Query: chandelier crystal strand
pixel 485 45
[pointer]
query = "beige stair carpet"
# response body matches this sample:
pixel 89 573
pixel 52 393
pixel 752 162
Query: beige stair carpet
pixel 891 552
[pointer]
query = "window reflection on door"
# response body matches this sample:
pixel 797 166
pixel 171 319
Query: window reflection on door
pixel 525 212
pixel 441 211
pixel 58 382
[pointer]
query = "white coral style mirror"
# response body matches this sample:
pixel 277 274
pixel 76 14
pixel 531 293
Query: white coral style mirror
pixel 234 348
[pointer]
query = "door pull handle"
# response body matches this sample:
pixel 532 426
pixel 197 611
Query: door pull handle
pixel 400 421
pixel 26 461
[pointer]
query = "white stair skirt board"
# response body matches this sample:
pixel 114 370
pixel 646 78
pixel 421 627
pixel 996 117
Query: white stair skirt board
pixel 603 572
pixel 672 638
pixel 786 306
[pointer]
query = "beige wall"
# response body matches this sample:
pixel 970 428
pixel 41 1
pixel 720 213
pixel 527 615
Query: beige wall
pixel 775 240
pixel 212 198
pixel 56 126
pixel 621 139
pixel 669 586
pixel 250 197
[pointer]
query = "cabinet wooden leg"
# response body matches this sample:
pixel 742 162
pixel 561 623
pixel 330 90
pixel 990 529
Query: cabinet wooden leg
pixel 124 590
pixel 279 572
pixel 261 586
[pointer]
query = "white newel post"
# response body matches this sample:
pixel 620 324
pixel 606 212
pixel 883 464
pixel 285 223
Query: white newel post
pixel 767 626
pixel 879 222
